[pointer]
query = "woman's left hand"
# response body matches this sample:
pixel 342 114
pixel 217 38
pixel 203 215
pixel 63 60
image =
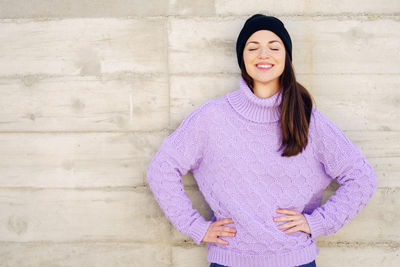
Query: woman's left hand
pixel 297 221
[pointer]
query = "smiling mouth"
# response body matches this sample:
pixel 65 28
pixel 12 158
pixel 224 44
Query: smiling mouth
pixel 264 66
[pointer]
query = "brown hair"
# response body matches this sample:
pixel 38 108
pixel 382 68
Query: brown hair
pixel 295 107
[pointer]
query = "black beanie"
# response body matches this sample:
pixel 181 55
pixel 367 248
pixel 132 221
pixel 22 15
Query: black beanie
pixel 261 22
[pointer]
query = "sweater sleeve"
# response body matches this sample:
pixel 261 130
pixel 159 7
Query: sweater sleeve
pixel 344 161
pixel 179 153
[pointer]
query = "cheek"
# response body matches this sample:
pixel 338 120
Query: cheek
pixel 282 58
pixel 248 60
pixel 247 57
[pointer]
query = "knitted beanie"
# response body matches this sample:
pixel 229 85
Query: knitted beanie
pixel 261 22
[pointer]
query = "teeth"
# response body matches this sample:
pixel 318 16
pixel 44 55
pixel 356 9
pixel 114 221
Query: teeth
pixel 265 66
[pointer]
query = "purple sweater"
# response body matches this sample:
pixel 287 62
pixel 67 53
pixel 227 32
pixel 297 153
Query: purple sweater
pixel 230 144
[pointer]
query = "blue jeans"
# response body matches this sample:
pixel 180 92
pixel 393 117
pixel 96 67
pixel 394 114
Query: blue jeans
pixel 310 264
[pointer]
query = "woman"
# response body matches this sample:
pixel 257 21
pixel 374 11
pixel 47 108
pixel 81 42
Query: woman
pixel 262 156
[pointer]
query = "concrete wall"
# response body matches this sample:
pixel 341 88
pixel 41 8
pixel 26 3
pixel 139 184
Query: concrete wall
pixel 89 89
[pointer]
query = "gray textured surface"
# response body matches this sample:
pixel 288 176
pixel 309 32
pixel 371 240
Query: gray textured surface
pixel 89 89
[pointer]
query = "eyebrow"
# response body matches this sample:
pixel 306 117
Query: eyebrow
pixel 268 42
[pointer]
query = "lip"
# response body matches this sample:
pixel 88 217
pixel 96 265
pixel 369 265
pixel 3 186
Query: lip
pixel 264 63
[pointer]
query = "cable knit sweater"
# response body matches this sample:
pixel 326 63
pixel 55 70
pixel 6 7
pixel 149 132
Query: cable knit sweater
pixel 230 144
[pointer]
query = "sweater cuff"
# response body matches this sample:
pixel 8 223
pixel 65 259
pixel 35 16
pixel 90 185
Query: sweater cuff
pixel 199 229
pixel 315 222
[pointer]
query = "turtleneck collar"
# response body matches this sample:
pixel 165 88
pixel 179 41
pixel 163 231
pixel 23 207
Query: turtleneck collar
pixel 254 108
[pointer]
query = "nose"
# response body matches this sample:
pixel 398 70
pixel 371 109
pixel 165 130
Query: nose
pixel 263 52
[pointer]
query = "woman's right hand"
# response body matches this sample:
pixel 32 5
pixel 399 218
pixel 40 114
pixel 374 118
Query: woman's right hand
pixel 217 229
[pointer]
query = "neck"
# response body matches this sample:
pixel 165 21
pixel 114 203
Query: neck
pixel 265 90
pixel 254 108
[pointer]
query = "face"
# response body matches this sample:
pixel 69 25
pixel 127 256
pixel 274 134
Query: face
pixel 264 47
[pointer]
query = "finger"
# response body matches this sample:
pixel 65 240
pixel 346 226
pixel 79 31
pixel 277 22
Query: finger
pixel 229 229
pixel 224 221
pixel 220 241
pixel 217 231
pixel 284 218
pixel 287 225
pixel 227 234
pixel 291 230
pixel 220 231
pixel 287 211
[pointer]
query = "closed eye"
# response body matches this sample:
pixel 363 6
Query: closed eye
pixel 256 49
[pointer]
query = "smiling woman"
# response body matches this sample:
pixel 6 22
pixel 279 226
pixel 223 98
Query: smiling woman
pixel 264 59
pixel 262 157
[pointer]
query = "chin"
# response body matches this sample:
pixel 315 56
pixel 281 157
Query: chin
pixel 263 79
